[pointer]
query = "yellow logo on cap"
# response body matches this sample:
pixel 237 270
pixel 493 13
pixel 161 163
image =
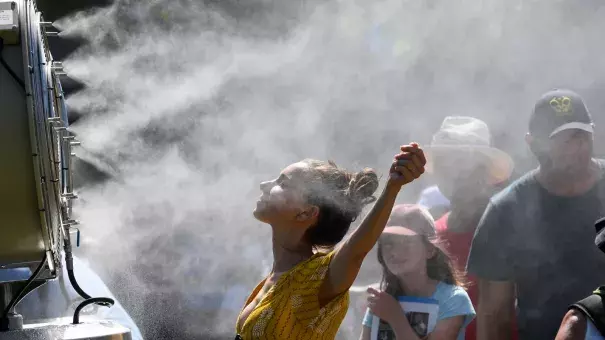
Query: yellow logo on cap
pixel 561 105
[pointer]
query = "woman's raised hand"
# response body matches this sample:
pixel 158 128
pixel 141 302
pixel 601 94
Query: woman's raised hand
pixel 407 165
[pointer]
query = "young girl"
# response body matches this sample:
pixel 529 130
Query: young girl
pixel 309 206
pixel 414 266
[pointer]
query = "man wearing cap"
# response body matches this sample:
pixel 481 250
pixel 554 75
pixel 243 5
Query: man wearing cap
pixel 535 238
pixel 468 171
pixel 581 320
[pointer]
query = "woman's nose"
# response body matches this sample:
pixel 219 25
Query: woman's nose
pixel 266 186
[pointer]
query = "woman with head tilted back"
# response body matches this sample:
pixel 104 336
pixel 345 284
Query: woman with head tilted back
pixel 310 207
pixel 414 265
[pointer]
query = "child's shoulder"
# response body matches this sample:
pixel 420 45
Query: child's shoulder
pixel 446 291
pixel 453 300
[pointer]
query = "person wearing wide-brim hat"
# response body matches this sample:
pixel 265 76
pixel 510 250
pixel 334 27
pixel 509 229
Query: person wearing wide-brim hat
pixel 467 139
pixel 468 170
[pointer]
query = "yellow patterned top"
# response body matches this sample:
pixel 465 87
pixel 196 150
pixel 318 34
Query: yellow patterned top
pixel 290 310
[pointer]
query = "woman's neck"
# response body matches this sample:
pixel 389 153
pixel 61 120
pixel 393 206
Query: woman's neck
pixel 288 253
pixel 417 284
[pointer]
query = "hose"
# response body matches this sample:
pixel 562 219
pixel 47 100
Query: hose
pixel 8 68
pixel 69 264
pixel 99 300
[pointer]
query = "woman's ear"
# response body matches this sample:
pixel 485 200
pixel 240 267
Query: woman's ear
pixel 308 214
pixel 313 211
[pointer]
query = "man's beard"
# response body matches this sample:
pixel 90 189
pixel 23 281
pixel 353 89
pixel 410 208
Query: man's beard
pixel 564 173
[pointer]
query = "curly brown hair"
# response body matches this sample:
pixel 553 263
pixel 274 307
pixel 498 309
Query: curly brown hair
pixel 340 196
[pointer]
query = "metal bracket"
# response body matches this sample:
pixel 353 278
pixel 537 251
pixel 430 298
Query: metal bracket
pixel 70 196
pixel 46 24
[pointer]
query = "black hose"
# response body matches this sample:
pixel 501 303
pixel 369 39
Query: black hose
pixel 8 68
pixel 81 292
pixel 69 264
pixel 75 285
pixel 4 322
pixel 100 301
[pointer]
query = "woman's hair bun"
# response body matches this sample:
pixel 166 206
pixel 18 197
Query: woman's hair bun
pixel 362 186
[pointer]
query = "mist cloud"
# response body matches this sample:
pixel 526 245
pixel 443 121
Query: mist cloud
pixel 191 105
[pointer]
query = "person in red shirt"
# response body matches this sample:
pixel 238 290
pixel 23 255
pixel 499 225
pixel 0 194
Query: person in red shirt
pixel 468 171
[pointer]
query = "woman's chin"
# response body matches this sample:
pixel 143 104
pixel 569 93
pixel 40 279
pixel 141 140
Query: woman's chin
pixel 259 215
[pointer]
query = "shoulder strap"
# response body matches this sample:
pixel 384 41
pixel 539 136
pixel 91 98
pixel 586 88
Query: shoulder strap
pixel 594 308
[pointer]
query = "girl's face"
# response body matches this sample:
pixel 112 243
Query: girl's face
pixel 404 251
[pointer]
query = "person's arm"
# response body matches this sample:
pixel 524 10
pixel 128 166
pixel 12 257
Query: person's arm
pixel 573 326
pixel 495 310
pixel 349 255
pixel 491 259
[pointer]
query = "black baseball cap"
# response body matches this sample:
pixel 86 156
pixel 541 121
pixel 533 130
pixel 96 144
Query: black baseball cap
pixel 559 110
pixel 600 239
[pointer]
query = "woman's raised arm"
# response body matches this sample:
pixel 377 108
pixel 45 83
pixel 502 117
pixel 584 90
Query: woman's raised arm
pixel 349 255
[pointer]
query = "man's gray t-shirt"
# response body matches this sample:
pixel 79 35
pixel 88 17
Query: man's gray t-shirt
pixel 545 244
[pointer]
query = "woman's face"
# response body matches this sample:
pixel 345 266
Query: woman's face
pixel 404 251
pixel 283 199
